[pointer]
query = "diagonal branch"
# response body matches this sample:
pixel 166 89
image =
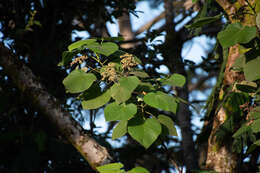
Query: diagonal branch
pixel 27 82
pixel 177 5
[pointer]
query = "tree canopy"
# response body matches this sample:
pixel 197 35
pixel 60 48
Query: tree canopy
pixel 53 84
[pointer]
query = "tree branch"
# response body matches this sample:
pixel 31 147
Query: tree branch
pixel 28 84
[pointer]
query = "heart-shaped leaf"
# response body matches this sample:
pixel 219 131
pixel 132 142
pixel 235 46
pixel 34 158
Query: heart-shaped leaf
pixel 96 102
pixel 111 168
pixel 236 33
pixel 175 80
pixel 78 81
pixel 162 101
pixel 105 48
pixel 167 122
pixel 144 131
pixel 122 90
pixel 120 129
pixel 114 111
pixel 80 43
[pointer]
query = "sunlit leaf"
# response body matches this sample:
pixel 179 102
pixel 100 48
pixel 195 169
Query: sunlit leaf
pixel 78 81
pixel 110 168
pixel 144 131
pixel 120 129
pixel 105 48
pixel 138 170
pixel 251 69
pixel 122 90
pixel 162 101
pixel 167 122
pixel 80 43
pixel 96 102
pixel 175 80
pixel 236 33
pixel 114 111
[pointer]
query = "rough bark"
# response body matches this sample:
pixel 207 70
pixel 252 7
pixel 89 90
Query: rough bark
pixel 28 84
pixel 172 54
pixel 220 157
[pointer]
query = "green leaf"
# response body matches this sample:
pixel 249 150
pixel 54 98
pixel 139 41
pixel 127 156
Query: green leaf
pixel 110 168
pixel 257 142
pixel 203 21
pixel 251 69
pixel 162 101
pixel 96 102
pixel 140 74
pixel 112 38
pixel 144 131
pixel 67 57
pixel 253 146
pixel 258 20
pixel 167 121
pixel 245 86
pixel 80 43
pixel 239 63
pixel 236 33
pixel 243 129
pixel 138 170
pixel 105 48
pixel 78 81
pixel 175 80
pixel 114 111
pixel 120 129
pixel 256 126
pixel 122 90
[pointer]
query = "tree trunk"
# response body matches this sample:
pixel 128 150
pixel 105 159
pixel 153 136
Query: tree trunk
pixel 22 76
pixel 172 55
pixel 125 29
pixel 220 157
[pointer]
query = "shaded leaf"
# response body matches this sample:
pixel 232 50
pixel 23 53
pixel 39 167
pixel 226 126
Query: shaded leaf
pixel 203 21
pixel 114 111
pixel 78 81
pixel 236 33
pixel 122 90
pixel 246 86
pixel 67 57
pixel 243 129
pixel 80 43
pixel 120 129
pixel 144 131
pixel 96 102
pixel 167 121
pixel 162 101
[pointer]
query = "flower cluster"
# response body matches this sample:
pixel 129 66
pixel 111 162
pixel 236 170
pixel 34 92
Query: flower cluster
pixel 128 61
pixel 79 60
pixel 109 72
